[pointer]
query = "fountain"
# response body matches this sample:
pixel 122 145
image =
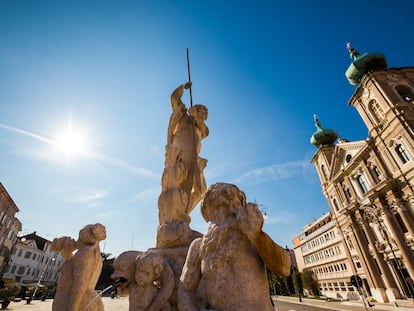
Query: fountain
pixel 224 269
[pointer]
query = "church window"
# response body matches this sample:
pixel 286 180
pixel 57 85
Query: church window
pixel 362 183
pixel 346 192
pixel 377 173
pixel 335 203
pixel 403 153
pixel 405 93
pixel 376 110
pixel 324 172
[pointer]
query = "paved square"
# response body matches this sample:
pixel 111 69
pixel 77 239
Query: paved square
pixel 37 305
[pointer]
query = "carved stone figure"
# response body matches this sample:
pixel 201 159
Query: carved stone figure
pixel 124 271
pixel 65 245
pixel 80 273
pixel 146 278
pixel 183 182
pixel 154 284
pixel 225 269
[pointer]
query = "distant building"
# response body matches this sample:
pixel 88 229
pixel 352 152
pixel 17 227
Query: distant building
pixel 291 254
pixel 10 226
pixel 321 249
pixel 33 263
pixel 369 184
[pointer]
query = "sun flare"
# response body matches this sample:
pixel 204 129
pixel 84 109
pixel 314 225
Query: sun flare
pixel 71 141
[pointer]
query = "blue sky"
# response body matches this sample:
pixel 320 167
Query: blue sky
pixel 106 69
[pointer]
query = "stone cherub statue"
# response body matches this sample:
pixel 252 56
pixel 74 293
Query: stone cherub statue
pixel 225 269
pixel 183 182
pixel 65 245
pixel 80 273
pixel 146 278
pixel 154 284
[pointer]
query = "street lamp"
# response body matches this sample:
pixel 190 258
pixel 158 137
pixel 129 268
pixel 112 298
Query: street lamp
pixel 42 275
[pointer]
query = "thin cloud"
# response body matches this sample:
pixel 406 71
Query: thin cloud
pixel 147 195
pixel 94 195
pixel 26 133
pixel 87 154
pixel 274 172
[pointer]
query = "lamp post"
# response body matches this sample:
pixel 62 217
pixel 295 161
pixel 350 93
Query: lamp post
pixel 42 274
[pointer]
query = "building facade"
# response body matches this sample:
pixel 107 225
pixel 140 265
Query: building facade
pixel 10 227
pixel 32 262
pixel 321 249
pixel 369 184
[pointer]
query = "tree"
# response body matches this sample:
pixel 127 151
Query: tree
pixel 309 282
pixel 7 294
pixel 297 283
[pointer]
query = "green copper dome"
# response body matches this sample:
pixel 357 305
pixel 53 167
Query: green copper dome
pixel 322 137
pixel 364 64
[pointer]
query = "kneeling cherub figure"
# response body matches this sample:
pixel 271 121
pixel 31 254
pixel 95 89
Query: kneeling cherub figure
pixel 151 273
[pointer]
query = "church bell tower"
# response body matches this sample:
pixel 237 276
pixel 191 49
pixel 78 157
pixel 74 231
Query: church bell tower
pixel 369 184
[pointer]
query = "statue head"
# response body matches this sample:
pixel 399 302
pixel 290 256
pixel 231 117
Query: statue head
pixel 221 201
pixel 124 271
pixel 91 234
pixel 199 111
pixel 148 268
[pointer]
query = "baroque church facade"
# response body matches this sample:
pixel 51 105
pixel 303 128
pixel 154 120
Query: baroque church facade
pixel 369 184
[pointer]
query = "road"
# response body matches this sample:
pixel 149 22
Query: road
pixel 288 306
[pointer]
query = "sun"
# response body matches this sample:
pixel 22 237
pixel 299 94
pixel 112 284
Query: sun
pixel 71 141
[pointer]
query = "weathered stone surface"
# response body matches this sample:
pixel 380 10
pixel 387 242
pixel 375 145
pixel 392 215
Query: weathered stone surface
pixel 124 271
pixel 225 269
pixel 183 182
pixel 154 283
pixel 80 273
pixel 150 278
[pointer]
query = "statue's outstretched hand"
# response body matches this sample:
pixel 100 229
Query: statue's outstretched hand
pixel 188 84
pixel 250 220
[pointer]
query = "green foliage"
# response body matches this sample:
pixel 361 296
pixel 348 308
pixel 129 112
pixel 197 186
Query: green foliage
pixel 9 291
pixel 280 285
pixel 310 282
pixel 29 291
pixel 297 283
pixel 107 269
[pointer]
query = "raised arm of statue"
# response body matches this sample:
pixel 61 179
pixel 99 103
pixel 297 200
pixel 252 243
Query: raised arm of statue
pixel 178 111
pixel 250 222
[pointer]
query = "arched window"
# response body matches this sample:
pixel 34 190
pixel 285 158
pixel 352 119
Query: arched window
pixel 376 110
pixel 324 172
pixel 362 183
pixel 346 192
pixel 377 172
pixel 405 93
pixel 402 153
pixel 335 205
